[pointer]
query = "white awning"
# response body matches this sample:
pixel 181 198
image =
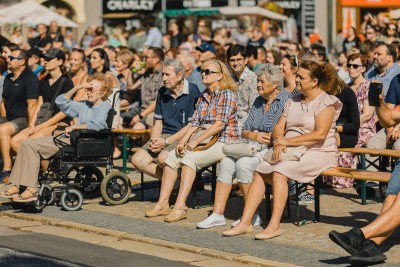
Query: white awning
pixel 234 11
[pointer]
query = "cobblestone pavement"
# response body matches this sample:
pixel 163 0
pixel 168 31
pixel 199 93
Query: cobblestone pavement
pixel 307 245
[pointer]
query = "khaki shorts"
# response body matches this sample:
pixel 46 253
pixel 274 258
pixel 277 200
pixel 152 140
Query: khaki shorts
pixel 168 148
pixel 196 160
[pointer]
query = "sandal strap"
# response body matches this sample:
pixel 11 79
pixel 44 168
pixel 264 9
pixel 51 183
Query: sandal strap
pixel 34 193
pixel 185 208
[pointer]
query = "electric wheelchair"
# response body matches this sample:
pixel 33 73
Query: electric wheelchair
pixel 76 167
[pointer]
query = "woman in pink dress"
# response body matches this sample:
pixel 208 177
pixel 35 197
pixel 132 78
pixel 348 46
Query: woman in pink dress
pixel 309 119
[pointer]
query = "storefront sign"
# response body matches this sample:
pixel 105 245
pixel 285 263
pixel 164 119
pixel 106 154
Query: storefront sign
pixel 294 4
pixel 308 17
pixel 367 3
pixel 120 6
pixel 182 4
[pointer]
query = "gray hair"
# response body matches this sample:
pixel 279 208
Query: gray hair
pixel 272 73
pixel 176 64
pixel 187 57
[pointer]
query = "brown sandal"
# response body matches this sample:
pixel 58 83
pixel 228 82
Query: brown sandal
pixel 7 194
pixel 21 198
pixel 174 216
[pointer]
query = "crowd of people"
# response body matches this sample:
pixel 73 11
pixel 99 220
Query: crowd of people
pixel 270 111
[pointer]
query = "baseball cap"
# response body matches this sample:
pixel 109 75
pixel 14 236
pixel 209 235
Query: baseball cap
pixel 35 52
pixel 54 53
pixel 206 46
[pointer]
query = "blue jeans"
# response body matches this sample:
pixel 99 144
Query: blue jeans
pixel 394 182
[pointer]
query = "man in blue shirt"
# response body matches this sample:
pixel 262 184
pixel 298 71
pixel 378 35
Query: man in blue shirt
pixel 175 105
pixel 385 67
pixel 154 36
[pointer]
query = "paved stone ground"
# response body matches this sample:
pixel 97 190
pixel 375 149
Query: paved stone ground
pixel 308 245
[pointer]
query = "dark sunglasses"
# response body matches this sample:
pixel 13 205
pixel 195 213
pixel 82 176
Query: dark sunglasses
pixel 11 58
pixel 207 72
pixel 355 66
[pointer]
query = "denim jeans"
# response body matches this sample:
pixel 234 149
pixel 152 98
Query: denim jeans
pixel 394 182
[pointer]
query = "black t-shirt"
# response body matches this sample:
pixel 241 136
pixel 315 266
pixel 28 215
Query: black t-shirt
pixel 40 43
pixel 58 37
pixel 48 92
pixel 17 92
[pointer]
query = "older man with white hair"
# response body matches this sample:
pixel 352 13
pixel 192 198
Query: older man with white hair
pixel 191 74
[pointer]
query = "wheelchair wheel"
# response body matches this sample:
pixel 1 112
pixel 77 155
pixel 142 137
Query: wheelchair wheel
pixel 90 181
pixel 72 201
pixel 116 188
pixel 46 196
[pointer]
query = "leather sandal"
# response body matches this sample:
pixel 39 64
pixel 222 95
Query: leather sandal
pixel 158 210
pixel 7 194
pixel 21 198
pixel 174 216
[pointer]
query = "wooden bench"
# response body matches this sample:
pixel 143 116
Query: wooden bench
pixel 125 145
pixel 362 175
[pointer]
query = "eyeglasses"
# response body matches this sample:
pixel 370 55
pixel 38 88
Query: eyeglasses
pixel 11 58
pixel 233 60
pixel 207 72
pixel 355 66
pixel 296 60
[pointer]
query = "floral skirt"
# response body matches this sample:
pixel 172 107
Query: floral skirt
pixel 349 160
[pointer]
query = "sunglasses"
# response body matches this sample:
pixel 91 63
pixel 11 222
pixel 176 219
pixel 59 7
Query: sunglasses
pixel 11 58
pixel 355 66
pixel 207 72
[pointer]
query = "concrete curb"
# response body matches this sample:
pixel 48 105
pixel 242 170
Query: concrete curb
pixel 240 258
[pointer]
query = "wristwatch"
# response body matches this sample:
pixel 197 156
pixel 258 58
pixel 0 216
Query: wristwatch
pixel 141 116
pixel 166 142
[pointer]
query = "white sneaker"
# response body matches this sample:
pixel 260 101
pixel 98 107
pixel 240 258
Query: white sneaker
pixel 213 220
pixel 255 221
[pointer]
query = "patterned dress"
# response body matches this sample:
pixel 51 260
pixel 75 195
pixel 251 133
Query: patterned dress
pixel 367 130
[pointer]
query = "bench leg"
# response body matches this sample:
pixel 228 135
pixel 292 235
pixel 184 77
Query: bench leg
pixel 141 186
pixel 268 209
pixel 297 205
pixel 317 191
pixel 213 181
pixel 363 185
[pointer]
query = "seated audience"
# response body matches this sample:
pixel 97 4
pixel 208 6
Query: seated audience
pixel 175 105
pixel 92 114
pixel 216 111
pixel 257 131
pixel 309 120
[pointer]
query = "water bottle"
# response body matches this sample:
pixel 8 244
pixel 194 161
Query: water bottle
pixel 142 65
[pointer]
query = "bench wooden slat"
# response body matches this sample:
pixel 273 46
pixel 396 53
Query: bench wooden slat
pixel 132 131
pixel 373 151
pixel 358 174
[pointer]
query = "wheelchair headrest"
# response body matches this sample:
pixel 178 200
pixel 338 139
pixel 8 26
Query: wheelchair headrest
pixel 110 118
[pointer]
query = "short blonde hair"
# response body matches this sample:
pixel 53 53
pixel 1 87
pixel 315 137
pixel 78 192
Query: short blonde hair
pixel 105 84
pixel 226 83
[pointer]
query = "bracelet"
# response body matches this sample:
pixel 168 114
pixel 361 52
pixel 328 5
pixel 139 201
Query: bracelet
pixel 166 142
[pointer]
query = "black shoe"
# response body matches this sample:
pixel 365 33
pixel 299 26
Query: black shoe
pixel 350 241
pixel 370 254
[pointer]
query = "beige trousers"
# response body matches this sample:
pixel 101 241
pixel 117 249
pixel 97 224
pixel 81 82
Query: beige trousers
pixel 196 160
pixel 26 168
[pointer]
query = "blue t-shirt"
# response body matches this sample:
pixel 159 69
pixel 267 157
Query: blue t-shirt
pixel 393 94
pixel 175 113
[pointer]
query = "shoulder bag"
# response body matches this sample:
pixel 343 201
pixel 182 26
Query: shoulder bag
pixel 46 109
pixel 205 144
